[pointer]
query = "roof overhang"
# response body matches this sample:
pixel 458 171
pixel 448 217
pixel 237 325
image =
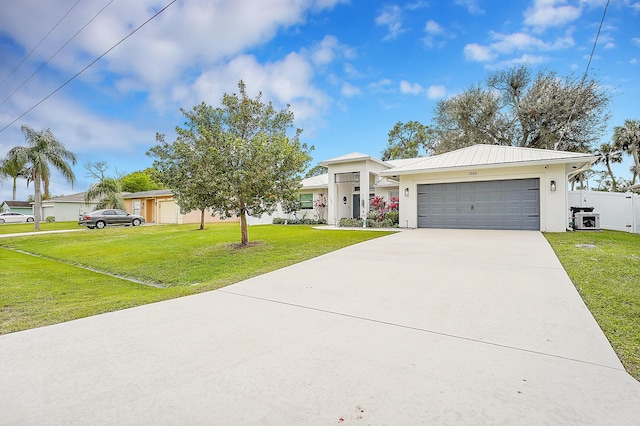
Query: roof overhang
pixel 359 159
pixel 581 163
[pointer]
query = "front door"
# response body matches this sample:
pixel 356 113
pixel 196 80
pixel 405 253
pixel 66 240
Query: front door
pixel 356 206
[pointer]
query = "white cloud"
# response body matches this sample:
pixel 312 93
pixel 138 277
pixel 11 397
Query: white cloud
pixel 392 19
pixel 636 41
pixel 472 6
pixel 288 81
pixel 524 59
pixel 507 44
pixel 188 36
pixel 551 13
pixel 410 89
pixel 349 90
pixel 436 92
pixel 633 61
pixel 436 35
pixel 478 53
pixel 433 28
pixel 383 85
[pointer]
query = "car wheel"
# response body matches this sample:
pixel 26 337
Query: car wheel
pixel 30 219
pixel 100 224
pixel 135 222
pixel 1 220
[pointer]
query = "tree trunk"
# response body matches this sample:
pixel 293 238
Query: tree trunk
pixel 46 194
pixel 613 178
pixel 636 162
pixel 202 219
pixel 243 228
pixel 37 205
pixel 15 188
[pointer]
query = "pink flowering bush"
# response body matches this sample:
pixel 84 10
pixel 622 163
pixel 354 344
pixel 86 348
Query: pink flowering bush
pixel 383 213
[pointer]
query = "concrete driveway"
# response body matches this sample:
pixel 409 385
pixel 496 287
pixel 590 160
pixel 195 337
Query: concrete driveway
pixel 420 327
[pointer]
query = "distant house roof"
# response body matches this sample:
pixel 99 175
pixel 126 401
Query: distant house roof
pixel 149 194
pixel 315 182
pixel 18 204
pixel 488 156
pixel 72 198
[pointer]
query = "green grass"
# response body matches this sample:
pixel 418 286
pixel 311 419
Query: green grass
pixel 18 228
pixel 37 291
pixel 608 279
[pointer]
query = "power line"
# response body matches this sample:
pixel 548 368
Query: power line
pixel 40 42
pixel 57 51
pixel 586 71
pixel 88 66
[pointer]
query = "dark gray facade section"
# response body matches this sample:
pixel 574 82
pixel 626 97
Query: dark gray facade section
pixel 496 204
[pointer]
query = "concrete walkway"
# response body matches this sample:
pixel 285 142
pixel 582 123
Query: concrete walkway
pixel 421 327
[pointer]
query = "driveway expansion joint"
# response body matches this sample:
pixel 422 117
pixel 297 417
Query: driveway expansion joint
pixel 423 330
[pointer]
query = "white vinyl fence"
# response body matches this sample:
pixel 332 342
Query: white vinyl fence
pixel 618 211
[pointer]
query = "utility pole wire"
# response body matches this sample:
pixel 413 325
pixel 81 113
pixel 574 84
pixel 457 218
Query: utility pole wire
pixel 52 56
pixel 87 67
pixel 586 71
pixel 39 43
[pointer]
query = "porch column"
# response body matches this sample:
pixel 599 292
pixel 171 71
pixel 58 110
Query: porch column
pixel 364 195
pixel 332 201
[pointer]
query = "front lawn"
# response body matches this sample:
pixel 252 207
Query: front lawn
pixel 605 268
pixel 18 228
pixel 40 291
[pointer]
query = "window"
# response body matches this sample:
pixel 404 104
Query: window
pixel 306 201
pixel 136 206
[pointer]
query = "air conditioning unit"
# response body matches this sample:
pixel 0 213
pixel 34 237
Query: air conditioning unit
pixel 587 221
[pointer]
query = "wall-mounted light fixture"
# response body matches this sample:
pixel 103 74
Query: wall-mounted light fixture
pixel 406 192
pixel 553 185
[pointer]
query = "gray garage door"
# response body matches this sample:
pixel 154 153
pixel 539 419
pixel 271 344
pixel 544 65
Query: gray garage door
pixel 496 204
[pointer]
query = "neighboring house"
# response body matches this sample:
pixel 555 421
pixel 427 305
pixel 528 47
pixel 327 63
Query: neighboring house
pixel 23 207
pixel 478 187
pixel 159 206
pixel 67 207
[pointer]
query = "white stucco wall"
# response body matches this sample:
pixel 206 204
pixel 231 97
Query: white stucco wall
pixel 340 196
pixel 553 205
pixel 65 212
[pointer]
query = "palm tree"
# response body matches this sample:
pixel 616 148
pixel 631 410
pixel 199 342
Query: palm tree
pixel 627 138
pixel 42 150
pixel 14 169
pixel 608 155
pixel 109 191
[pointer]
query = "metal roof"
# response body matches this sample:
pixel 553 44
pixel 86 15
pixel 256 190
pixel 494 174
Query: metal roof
pixel 488 156
pixel 349 158
pixel 320 181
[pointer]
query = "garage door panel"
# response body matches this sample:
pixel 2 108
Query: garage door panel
pixel 510 204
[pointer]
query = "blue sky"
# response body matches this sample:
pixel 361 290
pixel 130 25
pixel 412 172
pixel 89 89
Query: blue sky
pixel 349 69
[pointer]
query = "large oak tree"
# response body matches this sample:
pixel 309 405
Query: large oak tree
pixel 513 108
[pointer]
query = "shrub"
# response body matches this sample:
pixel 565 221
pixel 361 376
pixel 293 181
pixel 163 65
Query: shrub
pixel 278 221
pixel 50 219
pixel 347 222
pixel 393 216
